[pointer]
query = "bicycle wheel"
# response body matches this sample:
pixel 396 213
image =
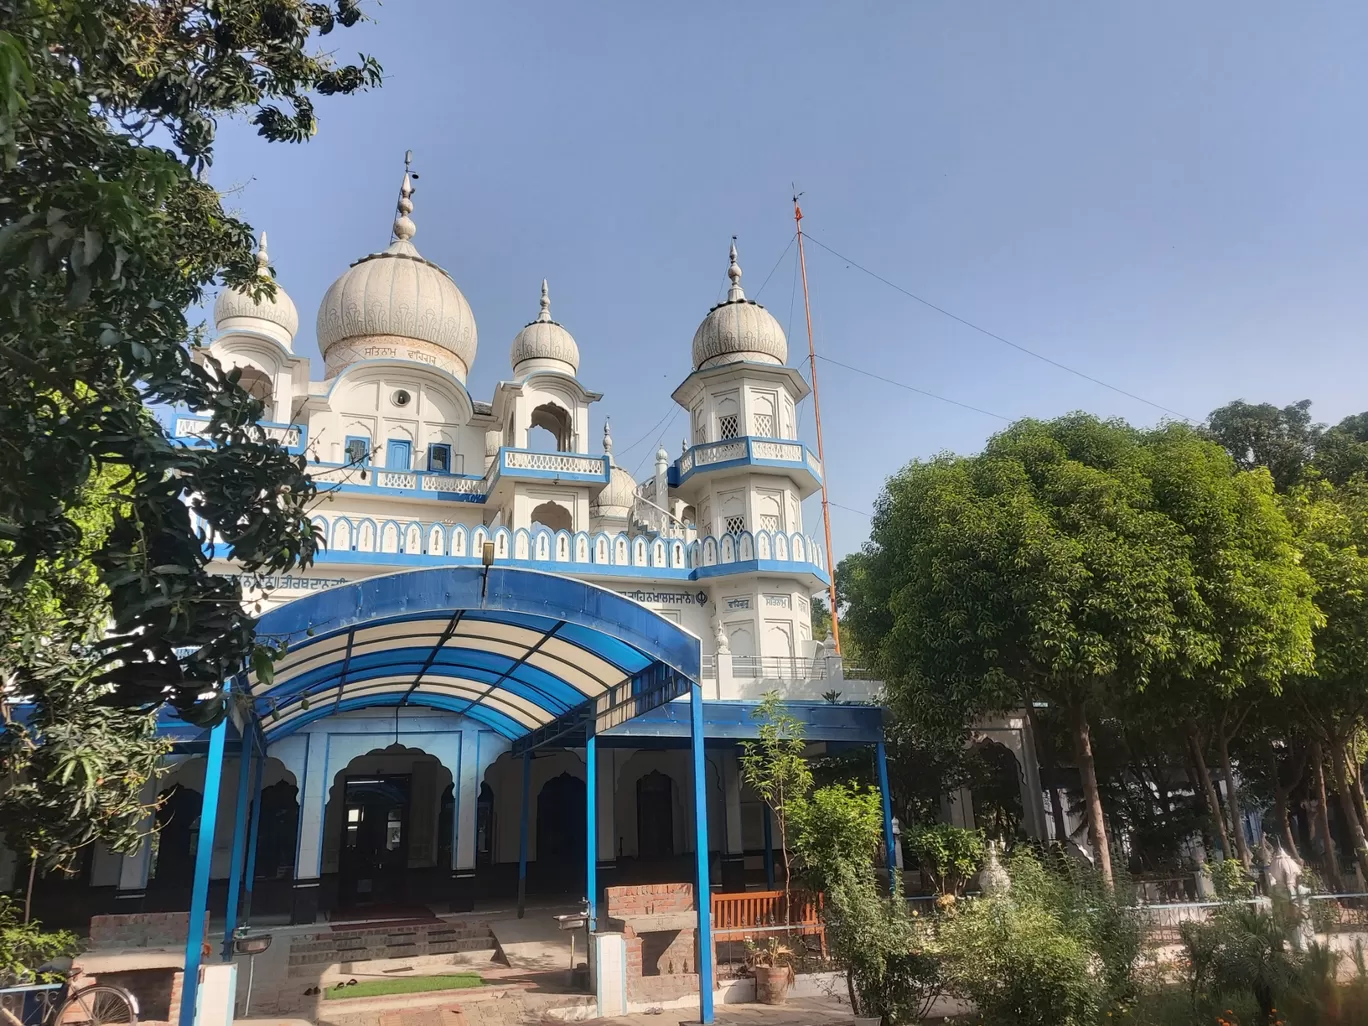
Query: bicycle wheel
pixel 98 1006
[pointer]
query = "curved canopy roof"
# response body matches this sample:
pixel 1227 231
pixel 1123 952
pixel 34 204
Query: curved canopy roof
pixel 520 652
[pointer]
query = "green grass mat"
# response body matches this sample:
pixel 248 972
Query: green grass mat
pixel 405 985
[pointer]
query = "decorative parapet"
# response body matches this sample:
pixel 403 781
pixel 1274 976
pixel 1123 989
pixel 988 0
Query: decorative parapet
pixel 353 539
pixel 748 451
pixel 190 429
pixel 557 463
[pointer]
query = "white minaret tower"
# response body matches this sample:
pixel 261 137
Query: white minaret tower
pixel 745 474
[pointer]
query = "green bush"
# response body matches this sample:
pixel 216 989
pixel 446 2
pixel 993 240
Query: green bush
pixel 1018 964
pixel 949 855
pixel 26 946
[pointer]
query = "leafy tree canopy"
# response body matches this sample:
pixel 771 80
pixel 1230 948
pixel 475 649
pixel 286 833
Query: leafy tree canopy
pixel 108 234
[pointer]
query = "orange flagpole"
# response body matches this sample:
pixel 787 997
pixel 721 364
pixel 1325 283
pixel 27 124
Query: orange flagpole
pixel 817 412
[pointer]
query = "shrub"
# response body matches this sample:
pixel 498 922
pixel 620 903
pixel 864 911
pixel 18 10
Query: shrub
pixel 949 855
pixel 1015 960
pixel 26 946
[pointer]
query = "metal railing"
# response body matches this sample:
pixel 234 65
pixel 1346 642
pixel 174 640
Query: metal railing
pixel 778 668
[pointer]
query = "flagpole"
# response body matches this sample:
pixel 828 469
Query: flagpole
pixel 817 412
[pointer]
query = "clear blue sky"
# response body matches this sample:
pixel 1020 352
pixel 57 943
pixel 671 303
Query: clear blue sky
pixel 1171 197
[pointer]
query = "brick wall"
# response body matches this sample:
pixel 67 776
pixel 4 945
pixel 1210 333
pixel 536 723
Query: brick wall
pixel 141 930
pixel 312 952
pixel 648 900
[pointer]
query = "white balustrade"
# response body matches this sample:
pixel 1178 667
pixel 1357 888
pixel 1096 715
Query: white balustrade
pixel 517 459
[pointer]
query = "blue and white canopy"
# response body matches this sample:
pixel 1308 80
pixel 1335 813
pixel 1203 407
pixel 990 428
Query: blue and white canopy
pixel 523 653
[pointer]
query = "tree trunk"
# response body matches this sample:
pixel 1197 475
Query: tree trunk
pixel 1213 801
pixel 1280 794
pixel 28 894
pixel 1092 797
pixel 1356 788
pixel 1339 758
pixel 1233 802
pixel 1046 759
pixel 1332 875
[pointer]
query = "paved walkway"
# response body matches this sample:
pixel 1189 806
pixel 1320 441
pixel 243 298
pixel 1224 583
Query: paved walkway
pixel 795 1012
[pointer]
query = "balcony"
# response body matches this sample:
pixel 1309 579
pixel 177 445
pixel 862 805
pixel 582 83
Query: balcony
pixel 524 464
pixel 751 451
pixel 189 429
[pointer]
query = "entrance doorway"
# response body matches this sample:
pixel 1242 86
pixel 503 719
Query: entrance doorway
pixel 655 816
pixel 561 833
pixel 374 854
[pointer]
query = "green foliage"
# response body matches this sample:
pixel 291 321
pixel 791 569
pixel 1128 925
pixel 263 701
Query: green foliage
pixel 1244 951
pixel 835 826
pixel 77 764
pixel 1230 880
pixel 774 767
pixel 25 946
pixel 949 855
pixel 1281 440
pixel 108 234
pixel 1018 965
pixel 1055 950
pixel 891 959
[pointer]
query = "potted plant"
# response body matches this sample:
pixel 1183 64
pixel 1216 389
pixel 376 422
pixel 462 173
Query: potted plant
pixel 771 963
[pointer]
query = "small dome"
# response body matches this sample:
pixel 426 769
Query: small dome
pixel 544 344
pixel 272 315
pixel 398 305
pixel 617 497
pixel 738 330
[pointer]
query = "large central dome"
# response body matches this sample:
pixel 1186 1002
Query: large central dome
pixel 397 305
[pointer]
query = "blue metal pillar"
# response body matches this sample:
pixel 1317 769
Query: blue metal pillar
pixel 199 892
pixel 769 849
pixel 253 832
pixel 881 761
pixel 522 834
pixel 591 827
pixel 702 893
pixel 239 855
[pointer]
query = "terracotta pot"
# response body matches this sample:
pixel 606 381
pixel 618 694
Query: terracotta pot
pixel 772 984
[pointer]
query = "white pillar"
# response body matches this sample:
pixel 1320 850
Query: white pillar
pixel 134 868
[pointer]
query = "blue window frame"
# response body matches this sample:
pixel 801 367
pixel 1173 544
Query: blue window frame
pixel 357 451
pixel 398 454
pixel 439 457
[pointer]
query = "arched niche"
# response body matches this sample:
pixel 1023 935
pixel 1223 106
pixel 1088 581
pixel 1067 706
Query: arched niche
pixel 558 425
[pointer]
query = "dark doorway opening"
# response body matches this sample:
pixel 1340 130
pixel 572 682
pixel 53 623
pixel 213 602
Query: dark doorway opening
pixel 561 834
pixel 655 816
pixel 374 853
pixel 484 827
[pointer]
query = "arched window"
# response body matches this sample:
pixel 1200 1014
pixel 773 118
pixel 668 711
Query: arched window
pixel 257 384
pixel 549 419
pixel 552 515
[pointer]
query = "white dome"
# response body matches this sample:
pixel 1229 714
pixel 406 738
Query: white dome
pixel 272 315
pixel 398 305
pixel 544 344
pixel 738 330
pixel 617 497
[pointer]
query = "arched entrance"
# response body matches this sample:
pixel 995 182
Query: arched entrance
pixel 655 816
pixel 381 832
pixel 561 830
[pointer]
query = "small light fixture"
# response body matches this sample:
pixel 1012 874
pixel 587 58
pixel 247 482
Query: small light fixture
pixel 487 554
pixel 304 703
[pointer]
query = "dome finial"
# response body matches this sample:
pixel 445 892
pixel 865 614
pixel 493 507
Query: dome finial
pixel 545 314
pixel 607 439
pixel 734 273
pixel 263 260
pixel 404 228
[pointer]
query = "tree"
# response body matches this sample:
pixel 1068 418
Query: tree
pixel 1332 530
pixel 1039 569
pixel 774 767
pixel 1251 626
pixel 1263 435
pixel 108 233
pixel 76 766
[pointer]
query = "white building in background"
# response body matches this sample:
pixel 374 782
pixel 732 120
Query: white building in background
pixel 418 472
